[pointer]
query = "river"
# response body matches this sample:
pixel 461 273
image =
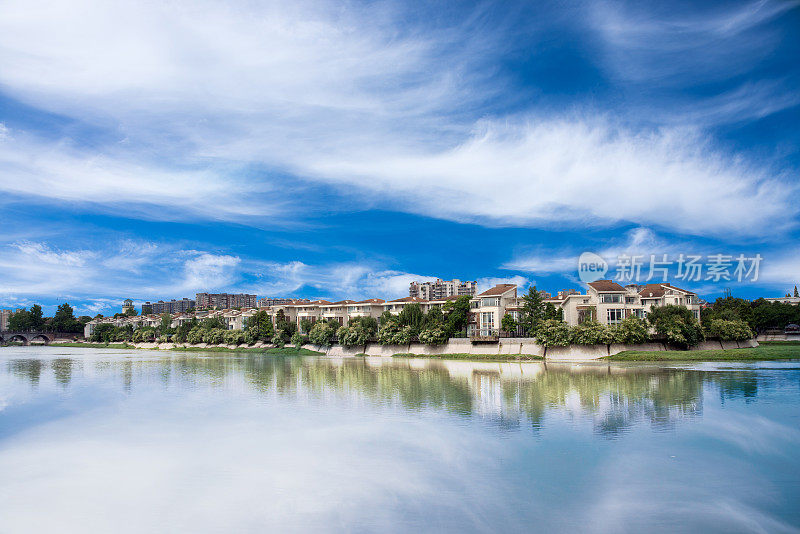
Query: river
pixel 95 440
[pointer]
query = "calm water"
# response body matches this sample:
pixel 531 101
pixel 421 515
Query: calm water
pixel 137 441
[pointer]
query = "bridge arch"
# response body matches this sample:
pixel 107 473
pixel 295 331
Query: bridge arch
pixel 39 337
pixel 17 338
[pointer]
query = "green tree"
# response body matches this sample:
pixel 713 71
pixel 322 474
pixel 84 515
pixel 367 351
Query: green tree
pixel 457 314
pixel 413 317
pixel 590 333
pixel 37 317
pixel 675 324
pixel 323 333
pixel 553 333
pixel 260 326
pixel 532 313
pixel 796 294
pixel 64 320
pixel 509 324
pixel 632 330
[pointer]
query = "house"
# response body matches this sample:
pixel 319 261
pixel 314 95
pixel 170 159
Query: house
pixel 488 308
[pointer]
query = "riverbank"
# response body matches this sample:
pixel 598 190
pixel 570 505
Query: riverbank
pixel 152 346
pixel 768 350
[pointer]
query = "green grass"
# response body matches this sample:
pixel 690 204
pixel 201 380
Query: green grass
pixel 287 351
pixel 765 351
pixel 465 356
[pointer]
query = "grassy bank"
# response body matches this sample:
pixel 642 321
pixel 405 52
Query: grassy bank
pixel 86 344
pixel 465 356
pixel 289 351
pixel 765 351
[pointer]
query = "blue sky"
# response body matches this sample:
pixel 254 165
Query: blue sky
pixel 343 149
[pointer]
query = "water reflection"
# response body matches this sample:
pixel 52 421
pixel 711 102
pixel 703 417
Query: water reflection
pixel 508 395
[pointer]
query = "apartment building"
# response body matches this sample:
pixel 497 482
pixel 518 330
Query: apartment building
pixel 224 301
pixel 441 289
pixel 171 306
pixel 266 302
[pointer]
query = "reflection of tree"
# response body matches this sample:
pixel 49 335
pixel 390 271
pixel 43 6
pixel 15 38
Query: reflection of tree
pixel 62 370
pixel 30 370
pixel 614 397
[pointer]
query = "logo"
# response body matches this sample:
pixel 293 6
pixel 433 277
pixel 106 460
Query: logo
pixel 591 267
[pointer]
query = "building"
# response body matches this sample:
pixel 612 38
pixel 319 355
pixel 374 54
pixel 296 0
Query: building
pixel 609 303
pixel 225 301
pixel 488 308
pixel 564 293
pixel 441 289
pixel 171 306
pixel 127 306
pixel 277 301
pixel 784 300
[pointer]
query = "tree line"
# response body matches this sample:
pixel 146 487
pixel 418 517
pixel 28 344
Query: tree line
pixel 63 321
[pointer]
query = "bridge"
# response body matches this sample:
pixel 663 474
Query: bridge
pixel 26 338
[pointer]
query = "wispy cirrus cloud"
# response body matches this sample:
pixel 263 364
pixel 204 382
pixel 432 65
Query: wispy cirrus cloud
pixel 368 100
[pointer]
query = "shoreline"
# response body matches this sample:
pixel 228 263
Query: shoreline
pixel 766 351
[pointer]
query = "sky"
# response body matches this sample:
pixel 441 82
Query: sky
pixel 341 149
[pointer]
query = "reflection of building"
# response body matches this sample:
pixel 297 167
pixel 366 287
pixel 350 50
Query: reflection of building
pixel 171 306
pixel 441 289
pixel 224 301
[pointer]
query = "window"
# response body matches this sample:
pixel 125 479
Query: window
pixel 615 315
pixel 640 313
pixel 611 298
pixel 630 300
pixel 490 302
pixel 487 320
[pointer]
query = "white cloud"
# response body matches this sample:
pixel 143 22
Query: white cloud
pixel 657 42
pixel 210 271
pixel 351 97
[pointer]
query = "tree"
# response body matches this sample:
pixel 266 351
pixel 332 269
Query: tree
pixel 298 340
pixel 434 335
pixel 508 324
pixel 103 332
pixel 165 328
pixel 532 313
pixel 590 333
pixel 796 294
pixel 728 330
pixel 131 312
pixel 631 331
pixel 260 326
pixel 412 316
pixel 323 333
pixel 392 333
pixel 553 333
pixel 457 314
pixel 675 324
pixel 20 320
pixel 64 320
pixel 37 318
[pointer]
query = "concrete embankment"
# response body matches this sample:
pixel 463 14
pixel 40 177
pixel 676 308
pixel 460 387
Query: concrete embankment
pixel 504 349
pixel 521 346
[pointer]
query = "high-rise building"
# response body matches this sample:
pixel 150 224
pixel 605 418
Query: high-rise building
pixel 225 301
pixel 278 301
pixel 170 306
pixel 441 289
